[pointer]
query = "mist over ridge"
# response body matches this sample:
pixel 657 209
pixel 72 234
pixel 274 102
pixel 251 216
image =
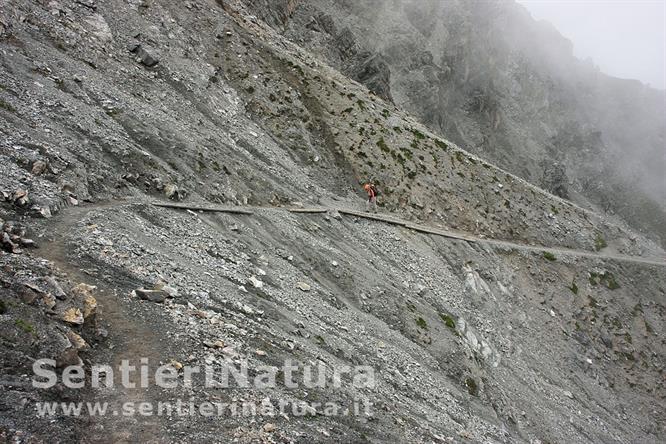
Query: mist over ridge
pixel 503 85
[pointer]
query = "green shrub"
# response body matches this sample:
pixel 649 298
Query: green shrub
pixel 407 153
pixel 441 144
pixel 418 134
pixel 382 145
pixel 573 287
pixel 599 242
pixel 448 321
pixel 548 255
pixel 421 323
pixel 609 281
pixel 606 279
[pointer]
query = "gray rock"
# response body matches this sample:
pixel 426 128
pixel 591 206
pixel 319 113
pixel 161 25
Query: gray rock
pixel 158 296
pixel 171 191
pixel 55 288
pixel 7 243
pixel 39 167
pixel 28 243
pixel 256 283
pixel 21 198
pixel 142 55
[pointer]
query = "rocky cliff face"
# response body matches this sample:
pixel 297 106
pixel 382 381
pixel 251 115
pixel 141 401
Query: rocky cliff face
pixel 490 78
pixel 108 106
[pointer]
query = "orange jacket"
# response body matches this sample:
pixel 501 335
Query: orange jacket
pixel 370 189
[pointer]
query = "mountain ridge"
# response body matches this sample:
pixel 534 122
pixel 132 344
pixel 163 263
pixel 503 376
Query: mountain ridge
pixel 592 138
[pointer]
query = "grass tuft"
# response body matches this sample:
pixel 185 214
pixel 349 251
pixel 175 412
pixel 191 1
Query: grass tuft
pixel 25 326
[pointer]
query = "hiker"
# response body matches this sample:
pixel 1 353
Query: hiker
pixel 372 197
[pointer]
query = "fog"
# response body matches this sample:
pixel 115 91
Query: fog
pixel 626 39
pixel 514 90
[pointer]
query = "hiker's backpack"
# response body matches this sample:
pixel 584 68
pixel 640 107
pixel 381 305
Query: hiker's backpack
pixel 374 190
